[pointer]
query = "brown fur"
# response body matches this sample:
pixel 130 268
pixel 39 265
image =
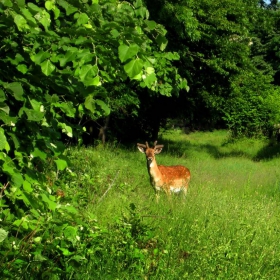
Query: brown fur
pixel 168 178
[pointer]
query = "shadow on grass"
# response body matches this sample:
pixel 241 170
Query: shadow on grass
pixel 268 152
pixel 180 148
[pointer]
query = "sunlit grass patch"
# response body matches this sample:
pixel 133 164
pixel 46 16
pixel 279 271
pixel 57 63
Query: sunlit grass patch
pixel 226 228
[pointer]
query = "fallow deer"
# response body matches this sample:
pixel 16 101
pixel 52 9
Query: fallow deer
pixel 167 178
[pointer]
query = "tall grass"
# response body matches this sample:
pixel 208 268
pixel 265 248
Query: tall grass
pixel 227 227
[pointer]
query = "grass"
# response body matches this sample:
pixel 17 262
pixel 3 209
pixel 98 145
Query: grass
pixel 227 228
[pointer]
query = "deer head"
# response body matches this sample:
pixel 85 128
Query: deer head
pixel 150 152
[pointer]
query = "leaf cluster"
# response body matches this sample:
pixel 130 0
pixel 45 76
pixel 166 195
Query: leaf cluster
pixel 62 62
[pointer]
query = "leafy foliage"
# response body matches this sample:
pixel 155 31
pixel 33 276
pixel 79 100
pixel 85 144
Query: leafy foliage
pixel 220 46
pixel 65 63
pixel 59 63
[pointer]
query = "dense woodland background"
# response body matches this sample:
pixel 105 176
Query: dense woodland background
pixel 85 68
pixel 119 71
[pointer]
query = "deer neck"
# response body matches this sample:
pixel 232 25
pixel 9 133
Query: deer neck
pixel 155 174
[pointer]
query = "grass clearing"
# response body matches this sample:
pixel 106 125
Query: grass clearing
pixel 227 228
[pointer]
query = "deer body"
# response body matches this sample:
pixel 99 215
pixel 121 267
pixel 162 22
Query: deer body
pixel 166 178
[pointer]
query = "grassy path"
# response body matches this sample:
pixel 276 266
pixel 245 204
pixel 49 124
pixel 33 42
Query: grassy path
pixel 227 228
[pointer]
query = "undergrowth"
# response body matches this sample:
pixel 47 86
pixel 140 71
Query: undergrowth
pixel 226 228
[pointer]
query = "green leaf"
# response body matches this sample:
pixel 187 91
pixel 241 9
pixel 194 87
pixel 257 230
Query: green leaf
pixel 172 56
pixel 5 108
pixel 150 79
pixel 7 3
pixel 44 18
pixel 69 56
pixel 16 90
pixel 2 96
pixel 19 157
pixel 70 209
pixel 33 115
pixel 95 81
pixel 35 104
pixel 151 24
pixel 65 252
pixel 115 33
pixel 90 103
pixel 52 98
pixel 21 22
pixel 3 234
pixel 39 257
pixel 56 12
pixel 27 187
pixel 138 3
pixel 165 89
pixel 11 121
pixel 51 204
pixel 88 70
pixel 22 68
pixel 134 67
pixel 103 106
pixel 88 73
pixel 82 19
pixel 78 258
pixel 16 177
pixel 28 16
pixel 81 40
pixel 33 7
pixel 142 12
pixel 49 5
pixel 21 223
pixel 70 233
pixel 3 141
pixel 47 67
pixel 67 108
pixel 40 57
pixel 38 153
pixel 61 164
pixel 85 56
pixel 184 84
pixel 66 129
pixel 21 3
pixel 56 147
pixel 150 70
pixel 162 42
pixel 17 59
pixel 37 239
pixel 15 139
pixel 127 52
pixel 68 7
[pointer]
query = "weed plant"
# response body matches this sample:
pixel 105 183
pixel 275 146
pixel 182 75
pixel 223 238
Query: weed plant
pixel 227 227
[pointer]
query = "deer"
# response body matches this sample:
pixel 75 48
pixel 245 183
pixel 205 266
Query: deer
pixel 171 179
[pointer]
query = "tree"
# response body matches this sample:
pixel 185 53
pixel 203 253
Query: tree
pixel 216 43
pixel 62 62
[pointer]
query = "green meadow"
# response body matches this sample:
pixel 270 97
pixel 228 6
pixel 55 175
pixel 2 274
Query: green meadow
pixel 226 228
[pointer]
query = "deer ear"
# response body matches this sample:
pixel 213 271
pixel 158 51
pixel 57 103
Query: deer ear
pixel 141 149
pixel 158 150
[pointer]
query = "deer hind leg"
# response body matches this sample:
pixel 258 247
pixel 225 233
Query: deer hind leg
pixel 185 191
pixel 157 196
pixel 168 193
pixel 157 192
pixel 185 188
